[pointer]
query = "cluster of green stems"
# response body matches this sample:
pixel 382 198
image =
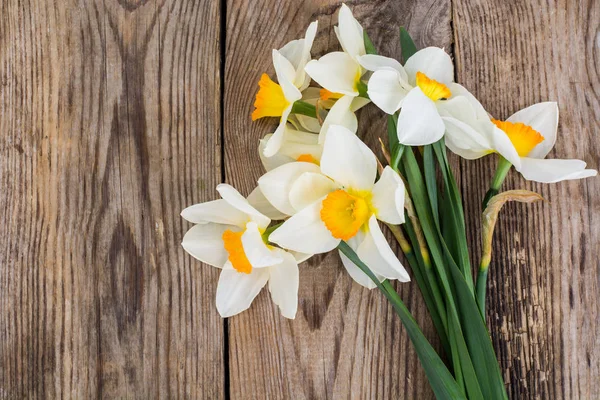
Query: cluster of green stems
pixel 433 240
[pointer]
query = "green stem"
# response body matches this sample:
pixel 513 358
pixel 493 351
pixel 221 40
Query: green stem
pixel 501 172
pixel 443 384
pixel 481 288
pixel 304 108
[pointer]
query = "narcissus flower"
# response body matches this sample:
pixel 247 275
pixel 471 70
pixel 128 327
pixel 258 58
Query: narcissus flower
pixel 419 88
pixel 229 235
pixel 339 200
pixel 277 99
pixel 340 72
pixel 524 139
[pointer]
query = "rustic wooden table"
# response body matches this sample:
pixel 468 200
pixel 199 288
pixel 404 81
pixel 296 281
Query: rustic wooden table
pixel 117 114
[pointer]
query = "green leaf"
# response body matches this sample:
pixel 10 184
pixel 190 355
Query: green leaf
pixel 460 299
pixel 443 384
pixel 407 44
pixel 430 181
pixel 454 228
pixel 369 47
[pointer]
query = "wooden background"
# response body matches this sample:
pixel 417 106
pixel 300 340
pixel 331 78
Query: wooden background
pixel 117 114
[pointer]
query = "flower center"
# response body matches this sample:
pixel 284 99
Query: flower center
pixel 232 242
pixel 432 88
pixel 522 136
pixel 344 213
pixel 307 158
pixel 270 100
pixel 325 94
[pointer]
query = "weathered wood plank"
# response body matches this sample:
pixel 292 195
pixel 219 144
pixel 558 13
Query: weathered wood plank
pixel 544 305
pixel 109 120
pixel 345 341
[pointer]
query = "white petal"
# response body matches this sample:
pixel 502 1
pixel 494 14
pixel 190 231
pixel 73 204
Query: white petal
pixel 285 76
pixel 460 91
pixel 379 257
pixel 305 232
pixel 236 290
pixel 550 171
pixel 307 123
pixel 433 62
pixel 297 52
pixel 374 62
pixel 350 33
pixel 543 117
pixel 347 160
pixel 300 257
pixel 419 122
pixel 388 197
pixel 356 273
pixel 258 253
pixel 205 242
pixel 276 184
pixel 308 188
pixel 502 144
pixel 340 114
pixel 217 211
pixel 336 72
pixel 233 197
pixel 274 161
pixel 386 90
pixel 465 140
pixel 358 103
pixel 258 200
pixel 276 140
pixel 284 280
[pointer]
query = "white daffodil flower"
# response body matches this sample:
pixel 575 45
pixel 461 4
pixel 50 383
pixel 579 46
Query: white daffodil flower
pixel 339 200
pixel 229 235
pixel 419 89
pixel 524 139
pixel 277 99
pixel 340 72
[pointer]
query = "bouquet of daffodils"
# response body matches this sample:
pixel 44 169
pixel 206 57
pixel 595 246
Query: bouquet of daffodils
pixel 325 190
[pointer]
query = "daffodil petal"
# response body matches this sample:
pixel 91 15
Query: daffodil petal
pixel 276 184
pixel 305 232
pixel 233 197
pixel 419 122
pixel 237 290
pixel 205 243
pixel 284 280
pixel 258 200
pixel 285 76
pixel 297 52
pixel 554 170
pixel 433 62
pixel 388 197
pixel 256 250
pixel 275 142
pixel 347 160
pixel 336 72
pixel 339 114
pixel 308 188
pixel 543 117
pixel 460 91
pixel 379 257
pixel 466 141
pixel 375 62
pixel 275 160
pixel 356 273
pixel 386 90
pixel 502 144
pixel 217 211
pixel 350 33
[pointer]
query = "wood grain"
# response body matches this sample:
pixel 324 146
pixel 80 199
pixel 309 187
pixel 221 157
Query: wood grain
pixel 544 306
pixel 345 342
pixel 109 121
